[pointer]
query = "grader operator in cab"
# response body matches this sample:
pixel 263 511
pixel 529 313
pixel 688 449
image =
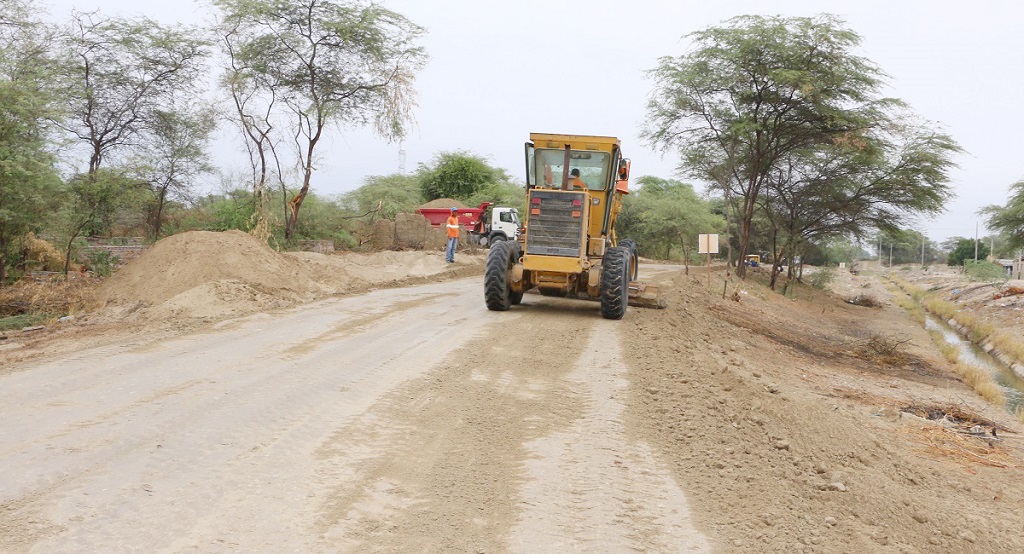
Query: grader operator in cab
pixel 574 189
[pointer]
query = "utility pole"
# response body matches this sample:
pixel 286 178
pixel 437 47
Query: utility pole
pixel 890 255
pixel 975 242
pixel 879 250
pixel 922 251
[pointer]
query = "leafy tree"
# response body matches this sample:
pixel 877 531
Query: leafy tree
pixel 835 190
pixel 664 214
pixel 964 250
pixel 833 252
pixel 902 246
pixel 1008 220
pixel 117 72
pixel 28 179
pixel 255 97
pixel 173 156
pixel 91 200
pixel 458 175
pixel 756 90
pixel 345 63
pixel 501 193
pixel 385 196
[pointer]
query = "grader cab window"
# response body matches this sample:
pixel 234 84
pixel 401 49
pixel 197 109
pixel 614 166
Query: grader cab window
pixel 549 165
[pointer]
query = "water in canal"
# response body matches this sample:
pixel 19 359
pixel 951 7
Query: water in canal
pixel 972 354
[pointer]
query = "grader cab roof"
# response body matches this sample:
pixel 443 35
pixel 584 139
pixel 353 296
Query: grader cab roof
pixel 576 142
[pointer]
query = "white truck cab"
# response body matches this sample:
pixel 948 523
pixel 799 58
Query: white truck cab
pixel 504 224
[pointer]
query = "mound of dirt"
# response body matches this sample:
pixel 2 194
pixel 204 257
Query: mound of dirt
pixel 444 203
pixel 213 275
pixel 182 262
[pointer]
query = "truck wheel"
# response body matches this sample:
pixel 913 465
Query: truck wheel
pixel 500 259
pixel 497 238
pixel 634 256
pixel 615 273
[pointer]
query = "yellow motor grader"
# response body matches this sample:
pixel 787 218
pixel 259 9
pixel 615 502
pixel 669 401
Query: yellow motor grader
pixel 574 189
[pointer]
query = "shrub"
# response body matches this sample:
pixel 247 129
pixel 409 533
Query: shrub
pixel 821 277
pixel 102 263
pixel 985 271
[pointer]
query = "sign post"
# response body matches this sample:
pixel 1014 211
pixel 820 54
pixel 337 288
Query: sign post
pixel 707 244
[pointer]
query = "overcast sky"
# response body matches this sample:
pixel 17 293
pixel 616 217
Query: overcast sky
pixel 499 70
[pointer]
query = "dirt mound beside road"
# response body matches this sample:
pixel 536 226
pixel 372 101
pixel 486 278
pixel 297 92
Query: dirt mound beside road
pixel 210 270
pixel 214 275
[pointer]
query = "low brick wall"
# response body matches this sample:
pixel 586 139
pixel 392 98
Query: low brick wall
pixel 407 231
pixel 318 246
pixel 126 249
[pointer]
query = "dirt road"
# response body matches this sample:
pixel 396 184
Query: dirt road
pixel 412 419
pixel 402 420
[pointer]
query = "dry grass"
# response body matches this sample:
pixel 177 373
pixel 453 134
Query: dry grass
pixel 982 383
pixel 884 351
pixel 912 308
pixel 1019 413
pixel 941 308
pixel 949 351
pixel 966 448
pixel 915 292
pixel 898 288
pixel 978 331
pixel 982 331
pixel 55 298
pixel 41 255
pixel 1008 344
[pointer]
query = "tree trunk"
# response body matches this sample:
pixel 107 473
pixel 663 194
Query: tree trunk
pixel 293 212
pixel 741 266
pixel 775 258
pixel 4 245
pixel 728 229
pixel 296 203
pixel 158 217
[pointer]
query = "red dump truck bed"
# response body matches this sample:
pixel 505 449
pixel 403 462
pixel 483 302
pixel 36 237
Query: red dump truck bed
pixel 468 217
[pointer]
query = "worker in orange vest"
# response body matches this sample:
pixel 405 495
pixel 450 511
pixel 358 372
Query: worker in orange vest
pixel 575 180
pixel 452 225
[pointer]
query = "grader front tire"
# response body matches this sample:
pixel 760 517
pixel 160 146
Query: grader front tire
pixel 498 294
pixel 615 272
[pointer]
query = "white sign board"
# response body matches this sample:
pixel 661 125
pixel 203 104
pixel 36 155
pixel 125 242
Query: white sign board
pixel 708 244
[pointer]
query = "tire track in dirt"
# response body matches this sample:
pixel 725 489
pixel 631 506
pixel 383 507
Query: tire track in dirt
pixel 591 488
pixel 506 447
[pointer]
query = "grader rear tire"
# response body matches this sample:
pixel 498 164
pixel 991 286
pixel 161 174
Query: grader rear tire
pixel 615 272
pixel 497 294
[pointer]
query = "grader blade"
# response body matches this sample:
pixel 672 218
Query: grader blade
pixel 645 295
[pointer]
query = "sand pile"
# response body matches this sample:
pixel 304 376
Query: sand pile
pixel 211 275
pixel 203 273
pixel 443 203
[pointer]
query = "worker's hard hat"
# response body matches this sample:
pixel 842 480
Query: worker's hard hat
pixel 455 209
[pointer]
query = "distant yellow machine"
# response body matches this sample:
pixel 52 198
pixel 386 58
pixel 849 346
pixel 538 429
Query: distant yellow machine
pixel 574 190
pixel 753 260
